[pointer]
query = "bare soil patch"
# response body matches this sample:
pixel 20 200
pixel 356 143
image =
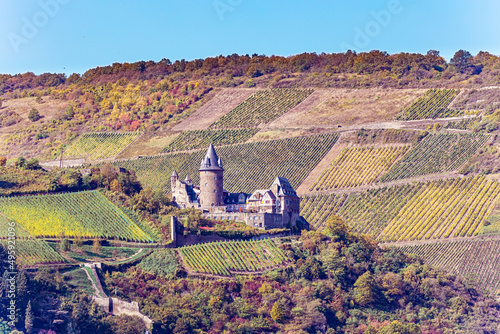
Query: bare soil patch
pixel 348 107
pixel 211 111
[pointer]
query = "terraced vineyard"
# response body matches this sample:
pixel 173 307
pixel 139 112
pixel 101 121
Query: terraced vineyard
pixel 99 146
pixel 229 258
pixel 358 166
pixel 317 209
pixel 436 153
pixel 262 107
pixel 9 228
pixel 369 212
pixel 33 252
pixel 195 139
pixel 85 214
pixel 366 212
pixel 476 259
pixel 453 208
pixel 247 166
pixel 432 210
pixel 434 104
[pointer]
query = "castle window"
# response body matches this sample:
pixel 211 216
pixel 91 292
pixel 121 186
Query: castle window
pixel 206 184
pixel 215 177
pixel 215 190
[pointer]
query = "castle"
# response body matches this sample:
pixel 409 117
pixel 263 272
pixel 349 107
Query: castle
pixel 276 207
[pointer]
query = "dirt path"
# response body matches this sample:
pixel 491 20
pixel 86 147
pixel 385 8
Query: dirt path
pixel 96 289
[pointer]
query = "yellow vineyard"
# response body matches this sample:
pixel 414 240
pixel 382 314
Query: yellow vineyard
pixel 358 166
pixel 455 208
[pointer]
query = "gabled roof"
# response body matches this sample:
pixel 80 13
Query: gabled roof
pixel 255 196
pixel 285 188
pixel 211 161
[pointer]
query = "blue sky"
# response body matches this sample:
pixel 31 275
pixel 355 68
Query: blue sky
pixel 66 36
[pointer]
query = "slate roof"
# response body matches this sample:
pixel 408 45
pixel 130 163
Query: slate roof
pixel 174 174
pixel 211 161
pixel 285 188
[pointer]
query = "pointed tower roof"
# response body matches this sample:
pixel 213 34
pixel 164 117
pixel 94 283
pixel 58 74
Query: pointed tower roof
pixel 187 179
pixel 211 160
pixel 174 174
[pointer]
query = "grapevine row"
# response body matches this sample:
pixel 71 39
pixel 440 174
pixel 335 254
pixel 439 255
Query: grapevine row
pixel 33 252
pixel 432 105
pixel 453 208
pixel 358 166
pixel 85 214
pixel 100 146
pixel 436 153
pixel 262 107
pixel 475 258
pixel 228 258
pixel 190 140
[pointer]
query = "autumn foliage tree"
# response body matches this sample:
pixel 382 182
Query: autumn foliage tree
pixel 363 289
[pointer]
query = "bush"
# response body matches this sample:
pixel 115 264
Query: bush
pixel 34 115
pixel 3 161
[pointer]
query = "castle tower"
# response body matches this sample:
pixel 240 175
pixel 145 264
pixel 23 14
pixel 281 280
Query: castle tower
pixel 211 180
pixel 173 184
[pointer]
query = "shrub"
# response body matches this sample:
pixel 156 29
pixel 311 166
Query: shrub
pixel 34 115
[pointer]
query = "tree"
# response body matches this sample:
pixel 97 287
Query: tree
pixel 363 289
pixel 336 228
pixel 65 245
pixel 28 322
pixel 397 327
pixel 20 162
pixel 3 161
pixel 34 115
pixel 278 312
pixel 32 164
pixel 96 246
pixel 115 186
pixel 462 61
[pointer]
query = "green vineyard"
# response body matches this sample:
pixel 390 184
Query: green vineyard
pixel 358 166
pixel 100 146
pixel 10 228
pixel 196 139
pixel 262 107
pixel 434 104
pixel 453 208
pixel 247 166
pixel 436 153
pixel 33 252
pixel 477 259
pixel 317 209
pixel 366 212
pixel 432 210
pixel 234 257
pixel 85 214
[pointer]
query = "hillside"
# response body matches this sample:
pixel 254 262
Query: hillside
pixel 407 159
